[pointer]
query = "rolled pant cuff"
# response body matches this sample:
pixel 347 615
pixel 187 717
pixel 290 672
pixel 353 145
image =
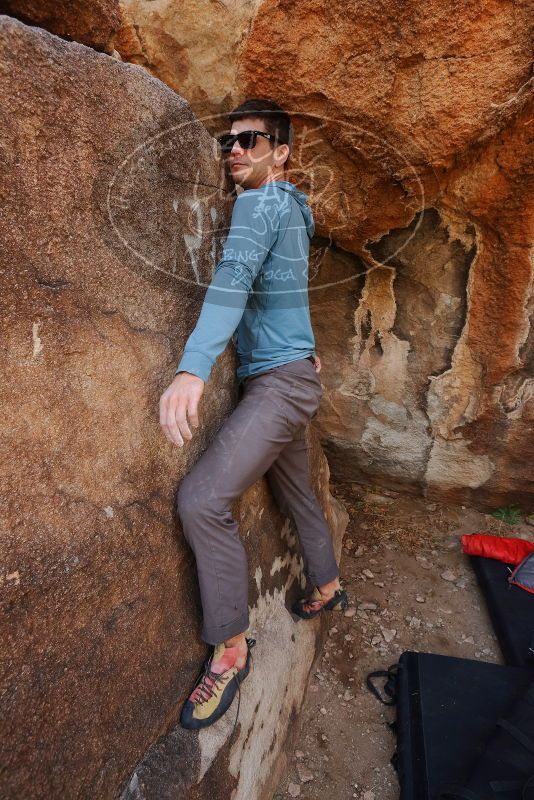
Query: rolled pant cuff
pixel 319 579
pixel 217 635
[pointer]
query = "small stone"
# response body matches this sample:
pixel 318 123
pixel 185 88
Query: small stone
pixel 293 789
pixel 332 631
pixel 348 637
pixel 376 640
pixel 368 796
pixel 468 640
pixel 378 499
pixel 305 775
pixel 368 573
pixel 419 598
pixel 448 575
pixel 388 634
pixel 359 551
pixel 367 606
pixel 426 565
pixel 350 612
pixel 348 696
pixel 379 583
pixel 323 710
pixel 299 754
pixel 324 737
pixel 415 623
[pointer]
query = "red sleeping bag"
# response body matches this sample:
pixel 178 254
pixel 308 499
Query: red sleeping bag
pixel 511 551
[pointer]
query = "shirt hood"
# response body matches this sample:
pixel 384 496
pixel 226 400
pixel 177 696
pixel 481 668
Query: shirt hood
pixel 302 200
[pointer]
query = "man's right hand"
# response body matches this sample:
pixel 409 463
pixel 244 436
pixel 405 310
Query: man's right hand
pixel 178 403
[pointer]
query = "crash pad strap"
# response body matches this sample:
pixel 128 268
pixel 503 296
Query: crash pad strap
pixel 521 737
pixel 513 786
pixel 390 686
pixel 453 792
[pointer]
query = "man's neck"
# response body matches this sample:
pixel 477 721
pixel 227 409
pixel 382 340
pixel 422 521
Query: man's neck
pixel 271 179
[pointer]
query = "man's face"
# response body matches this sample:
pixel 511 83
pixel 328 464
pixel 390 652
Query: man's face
pixel 252 168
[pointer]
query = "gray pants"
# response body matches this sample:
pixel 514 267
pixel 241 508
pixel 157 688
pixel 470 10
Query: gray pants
pixel 264 435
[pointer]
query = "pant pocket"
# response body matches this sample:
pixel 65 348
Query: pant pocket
pixel 303 403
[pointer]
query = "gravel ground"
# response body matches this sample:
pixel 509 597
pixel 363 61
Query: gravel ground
pixel 410 588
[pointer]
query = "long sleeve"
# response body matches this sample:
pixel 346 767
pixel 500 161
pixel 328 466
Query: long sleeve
pixel 253 231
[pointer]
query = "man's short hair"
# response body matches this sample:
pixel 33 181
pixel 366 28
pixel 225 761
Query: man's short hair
pixel 276 120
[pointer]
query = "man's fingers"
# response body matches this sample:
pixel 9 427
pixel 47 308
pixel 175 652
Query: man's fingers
pixel 181 420
pixel 192 412
pixel 163 406
pixel 168 406
pixel 178 408
pixel 174 439
pixel 171 428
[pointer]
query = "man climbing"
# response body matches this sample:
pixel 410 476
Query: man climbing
pixel 259 297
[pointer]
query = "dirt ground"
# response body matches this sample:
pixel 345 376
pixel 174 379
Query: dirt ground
pixel 410 588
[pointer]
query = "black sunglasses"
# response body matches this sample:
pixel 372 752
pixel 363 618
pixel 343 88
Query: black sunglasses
pixel 246 139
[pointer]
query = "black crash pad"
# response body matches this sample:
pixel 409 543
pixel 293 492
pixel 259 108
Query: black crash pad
pixel 511 610
pixel 447 710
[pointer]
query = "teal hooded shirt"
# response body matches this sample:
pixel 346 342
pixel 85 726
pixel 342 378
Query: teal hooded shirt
pixel 258 295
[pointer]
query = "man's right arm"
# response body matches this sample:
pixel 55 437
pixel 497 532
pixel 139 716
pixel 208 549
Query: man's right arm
pixel 252 234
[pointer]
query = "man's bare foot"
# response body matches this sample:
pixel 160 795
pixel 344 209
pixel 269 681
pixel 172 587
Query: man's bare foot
pixel 330 597
pixel 238 646
pixel 328 590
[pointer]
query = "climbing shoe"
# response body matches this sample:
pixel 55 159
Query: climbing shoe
pixel 215 688
pixel 309 607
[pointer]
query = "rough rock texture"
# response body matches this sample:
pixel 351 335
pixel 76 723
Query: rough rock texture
pixel 435 391
pixel 193 47
pixel 112 213
pixel 434 161
pixel 414 141
pixel 91 22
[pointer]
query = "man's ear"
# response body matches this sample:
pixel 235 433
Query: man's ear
pixel 282 152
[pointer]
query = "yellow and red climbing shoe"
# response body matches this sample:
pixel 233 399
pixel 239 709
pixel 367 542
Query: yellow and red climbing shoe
pixel 309 607
pixel 216 687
